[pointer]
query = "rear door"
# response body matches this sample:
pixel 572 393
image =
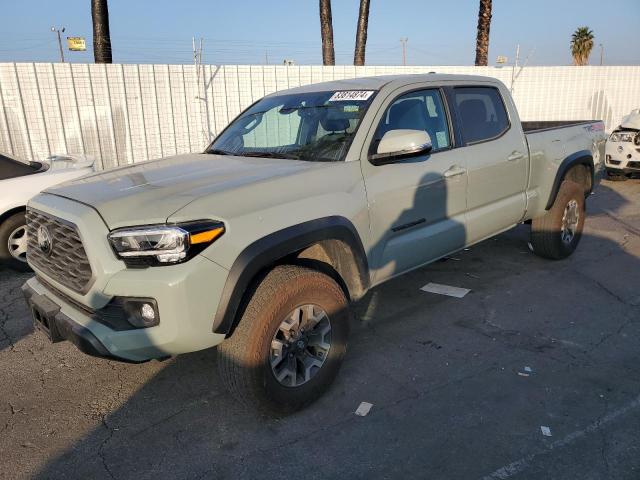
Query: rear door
pixel 416 205
pixel 497 158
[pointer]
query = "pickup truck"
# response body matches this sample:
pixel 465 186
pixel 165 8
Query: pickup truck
pixel 307 200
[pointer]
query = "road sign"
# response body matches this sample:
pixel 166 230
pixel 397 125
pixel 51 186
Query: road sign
pixel 76 44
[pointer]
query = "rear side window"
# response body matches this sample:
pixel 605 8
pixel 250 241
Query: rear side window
pixel 481 112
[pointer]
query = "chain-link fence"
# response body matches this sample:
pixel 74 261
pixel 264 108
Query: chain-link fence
pixel 121 114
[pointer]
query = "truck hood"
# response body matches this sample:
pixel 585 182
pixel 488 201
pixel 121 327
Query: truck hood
pixel 149 192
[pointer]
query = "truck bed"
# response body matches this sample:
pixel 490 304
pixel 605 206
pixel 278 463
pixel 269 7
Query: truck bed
pixel 550 143
pixel 540 125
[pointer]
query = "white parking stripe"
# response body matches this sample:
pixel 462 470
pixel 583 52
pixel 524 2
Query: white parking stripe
pixel 520 465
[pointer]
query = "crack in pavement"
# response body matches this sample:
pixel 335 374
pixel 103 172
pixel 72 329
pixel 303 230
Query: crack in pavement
pixel 105 424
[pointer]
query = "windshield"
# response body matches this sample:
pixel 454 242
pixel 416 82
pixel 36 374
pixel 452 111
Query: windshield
pixel 11 168
pixel 316 126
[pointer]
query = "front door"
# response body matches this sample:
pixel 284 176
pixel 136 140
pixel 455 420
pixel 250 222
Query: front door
pixel 417 205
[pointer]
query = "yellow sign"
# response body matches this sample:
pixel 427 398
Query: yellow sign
pixel 76 44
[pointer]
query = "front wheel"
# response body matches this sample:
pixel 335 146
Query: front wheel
pixel 557 233
pixel 290 342
pixel 13 242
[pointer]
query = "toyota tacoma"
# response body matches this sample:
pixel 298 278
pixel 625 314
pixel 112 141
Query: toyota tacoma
pixel 308 199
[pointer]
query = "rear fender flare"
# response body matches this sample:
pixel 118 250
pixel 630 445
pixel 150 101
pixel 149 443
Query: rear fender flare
pixel 583 157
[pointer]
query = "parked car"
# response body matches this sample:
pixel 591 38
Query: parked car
pixel 622 158
pixel 19 181
pixel 307 200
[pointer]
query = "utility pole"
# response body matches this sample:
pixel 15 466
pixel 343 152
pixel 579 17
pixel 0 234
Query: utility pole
pixel 601 54
pixel 514 74
pixel 404 41
pixel 515 65
pixel 58 31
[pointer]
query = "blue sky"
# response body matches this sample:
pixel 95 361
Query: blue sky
pixel 439 32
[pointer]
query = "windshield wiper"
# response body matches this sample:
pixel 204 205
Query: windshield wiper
pixel 288 156
pixel 217 151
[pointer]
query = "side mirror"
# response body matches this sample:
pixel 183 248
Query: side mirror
pixel 398 144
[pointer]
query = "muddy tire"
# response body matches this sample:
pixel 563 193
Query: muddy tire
pixel 556 234
pixel 290 342
pixel 13 243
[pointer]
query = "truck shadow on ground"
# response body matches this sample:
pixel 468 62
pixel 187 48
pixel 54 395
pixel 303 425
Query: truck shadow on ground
pixel 182 424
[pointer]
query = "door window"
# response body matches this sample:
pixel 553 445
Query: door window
pixel 420 110
pixel 481 112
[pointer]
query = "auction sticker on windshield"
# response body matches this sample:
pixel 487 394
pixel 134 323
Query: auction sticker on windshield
pixel 350 95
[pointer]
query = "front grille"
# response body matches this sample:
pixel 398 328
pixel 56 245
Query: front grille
pixel 67 262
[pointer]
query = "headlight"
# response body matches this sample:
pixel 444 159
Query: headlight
pixel 164 244
pixel 626 137
pixel 622 137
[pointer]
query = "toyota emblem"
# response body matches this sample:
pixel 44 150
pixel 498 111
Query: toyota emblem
pixel 45 242
pixel 620 148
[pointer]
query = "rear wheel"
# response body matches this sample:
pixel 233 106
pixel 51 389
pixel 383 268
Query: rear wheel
pixel 13 242
pixel 556 234
pixel 290 342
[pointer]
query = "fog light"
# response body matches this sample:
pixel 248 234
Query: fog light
pixel 141 312
pixel 147 312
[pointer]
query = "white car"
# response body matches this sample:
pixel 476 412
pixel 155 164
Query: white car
pixel 19 181
pixel 622 157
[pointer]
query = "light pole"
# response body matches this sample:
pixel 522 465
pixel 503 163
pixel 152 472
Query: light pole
pixel 601 54
pixel 58 31
pixel 404 41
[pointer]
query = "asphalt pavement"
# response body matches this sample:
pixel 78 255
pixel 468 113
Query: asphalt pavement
pixel 460 387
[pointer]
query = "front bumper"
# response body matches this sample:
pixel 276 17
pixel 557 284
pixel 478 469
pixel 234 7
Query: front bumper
pixel 623 157
pixel 187 297
pixel 58 326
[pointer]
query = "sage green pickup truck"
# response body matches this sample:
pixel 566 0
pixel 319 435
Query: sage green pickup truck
pixel 308 199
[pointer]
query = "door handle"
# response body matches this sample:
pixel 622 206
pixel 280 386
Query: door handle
pixel 515 155
pixel 454 171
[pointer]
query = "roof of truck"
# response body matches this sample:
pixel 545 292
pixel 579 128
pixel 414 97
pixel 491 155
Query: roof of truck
pixel 377 82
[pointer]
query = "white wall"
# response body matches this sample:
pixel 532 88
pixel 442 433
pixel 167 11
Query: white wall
pixel 125 113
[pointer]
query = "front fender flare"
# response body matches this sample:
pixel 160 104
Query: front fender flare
pixel 268 250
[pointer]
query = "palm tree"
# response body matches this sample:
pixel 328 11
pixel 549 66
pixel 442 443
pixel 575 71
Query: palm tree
pixel 482 39
pixel 101 35
pixel 581 45
pixel 361 33
pixel 326 30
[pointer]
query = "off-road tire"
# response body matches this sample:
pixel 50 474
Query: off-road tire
pixel 243 358
pixel 6 228
pixel 546 231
